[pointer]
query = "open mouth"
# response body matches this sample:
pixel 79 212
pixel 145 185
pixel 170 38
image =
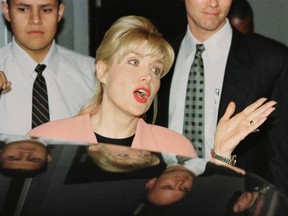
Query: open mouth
pixel 142 94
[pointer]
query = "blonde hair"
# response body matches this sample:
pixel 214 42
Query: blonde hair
pixel 124 36
pixel 108 160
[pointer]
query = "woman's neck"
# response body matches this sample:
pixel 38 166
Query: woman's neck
pixel 113 125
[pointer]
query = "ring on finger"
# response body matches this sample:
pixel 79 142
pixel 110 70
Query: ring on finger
pixel 252 122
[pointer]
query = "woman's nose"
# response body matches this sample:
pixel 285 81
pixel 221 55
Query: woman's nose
pixel 146 76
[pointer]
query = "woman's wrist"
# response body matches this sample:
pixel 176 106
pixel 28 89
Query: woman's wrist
pixel 231 160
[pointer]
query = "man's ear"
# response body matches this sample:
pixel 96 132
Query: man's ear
pixel 49 158
pixel 61 11
pixel 101 71
pixel 150 183
pixel 5 10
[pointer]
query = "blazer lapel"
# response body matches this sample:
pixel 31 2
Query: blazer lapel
pixel 237 72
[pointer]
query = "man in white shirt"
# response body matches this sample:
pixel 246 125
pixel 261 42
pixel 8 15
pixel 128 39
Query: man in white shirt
pixel 70 77
pixel 237 68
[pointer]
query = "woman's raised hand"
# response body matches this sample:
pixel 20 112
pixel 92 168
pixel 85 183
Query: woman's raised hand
pixel 231 130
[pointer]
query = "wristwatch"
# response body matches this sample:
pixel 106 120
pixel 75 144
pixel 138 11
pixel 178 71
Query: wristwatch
pixel 231 161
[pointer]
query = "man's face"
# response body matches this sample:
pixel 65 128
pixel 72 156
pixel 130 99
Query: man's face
pixel 245 201
pixel 205 17
pixel 24 155
pixel 171 186
pixel 34 23
pixel 244 25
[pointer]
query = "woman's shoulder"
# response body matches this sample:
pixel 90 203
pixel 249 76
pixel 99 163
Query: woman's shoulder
pixel 167 131
pixel 60 128
pixel 163 130
pixel 169 139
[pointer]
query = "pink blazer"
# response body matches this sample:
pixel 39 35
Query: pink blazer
pixel 147 137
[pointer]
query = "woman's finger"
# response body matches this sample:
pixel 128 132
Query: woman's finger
pixel 254 105
pixel 229 111
pixel 261 112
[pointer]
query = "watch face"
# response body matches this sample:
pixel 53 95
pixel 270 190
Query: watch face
pixel 234 160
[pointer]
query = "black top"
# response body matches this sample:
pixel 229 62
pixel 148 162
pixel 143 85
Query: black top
pixel 123 141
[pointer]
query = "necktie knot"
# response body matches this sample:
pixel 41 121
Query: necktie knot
pixel 200 48
pixel 40 68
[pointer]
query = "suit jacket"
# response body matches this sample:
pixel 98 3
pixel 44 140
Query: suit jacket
pixel 255 68
pixel 147 137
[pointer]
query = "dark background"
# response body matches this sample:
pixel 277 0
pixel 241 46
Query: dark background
pixel 168 15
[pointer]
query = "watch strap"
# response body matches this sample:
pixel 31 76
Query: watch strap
pixel 231 161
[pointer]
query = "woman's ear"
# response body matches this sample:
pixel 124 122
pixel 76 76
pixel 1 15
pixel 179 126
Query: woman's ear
pixel 94 147
pixel 101 71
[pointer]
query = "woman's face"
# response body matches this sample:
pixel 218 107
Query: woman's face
pixel 131 84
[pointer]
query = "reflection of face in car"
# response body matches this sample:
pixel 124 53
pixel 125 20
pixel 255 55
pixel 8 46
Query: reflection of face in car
pixel 24 155
pixel 171 186
pixel 245 201
pixel 114 158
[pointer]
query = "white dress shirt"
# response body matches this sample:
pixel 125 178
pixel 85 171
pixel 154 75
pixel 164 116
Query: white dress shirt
pixel 70 80
pixel 214 58
pixel 195 165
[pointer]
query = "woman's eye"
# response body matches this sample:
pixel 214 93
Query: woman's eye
pixel 156 71
pixel 133 62
pixel 124 155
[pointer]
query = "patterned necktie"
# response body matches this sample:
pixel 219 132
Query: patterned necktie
pixel 193 127
pixel 40 107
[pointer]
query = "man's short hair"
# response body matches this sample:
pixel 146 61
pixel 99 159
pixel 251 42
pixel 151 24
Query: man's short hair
pixel 20 173
pixel 8 1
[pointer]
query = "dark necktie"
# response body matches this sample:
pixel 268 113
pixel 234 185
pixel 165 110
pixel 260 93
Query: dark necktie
pixel 193 127
pixel 40 107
